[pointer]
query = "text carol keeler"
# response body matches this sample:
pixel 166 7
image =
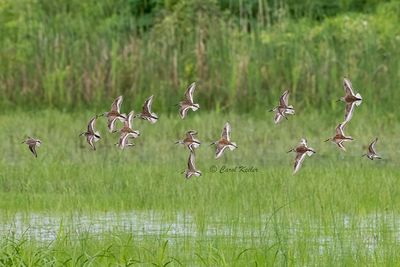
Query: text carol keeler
pixel 233 169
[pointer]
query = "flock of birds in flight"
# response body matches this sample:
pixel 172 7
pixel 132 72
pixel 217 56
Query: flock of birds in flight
pixel 191 142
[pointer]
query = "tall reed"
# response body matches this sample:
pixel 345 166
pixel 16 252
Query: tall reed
pixel 68 54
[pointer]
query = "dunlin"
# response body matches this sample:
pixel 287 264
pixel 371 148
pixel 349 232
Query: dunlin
pixel 188 103
pixel 301 151
pixel 224 142
pixel 146 111
pixel 191 170
pixel 190 141
pixel 114 114
pixel 91 135
pixel 127 132
pixel 371 154
pixel 351 99
pixel 32 144
pixel 340 137
pixel 283 108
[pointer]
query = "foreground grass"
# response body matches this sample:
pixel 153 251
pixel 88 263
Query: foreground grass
pixel 265 217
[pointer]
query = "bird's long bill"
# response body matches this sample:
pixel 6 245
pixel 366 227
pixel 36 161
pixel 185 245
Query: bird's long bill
pixel 327 140
pixel 290 150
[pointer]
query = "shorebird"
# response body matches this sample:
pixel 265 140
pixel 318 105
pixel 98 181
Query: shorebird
pixel 371 154
pixel 146 111
pixel 340 137
pixel 91 135
pixel 191 170
pixel 114 114
pixel 188 103
pixel 32 144
pixel 301 151
pixel 127 132
pixel 190 141
pixel 224 141
pixel 283 108
pixel 350 99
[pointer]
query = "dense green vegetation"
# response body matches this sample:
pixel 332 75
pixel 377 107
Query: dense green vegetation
pixel 68 53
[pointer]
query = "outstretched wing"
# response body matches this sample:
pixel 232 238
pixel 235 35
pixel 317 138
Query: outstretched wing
pixel 189 92
pixel 278 117
pixel 339 129
pixel 183 110
pixel 191 160
pixel 298 161
pixel 226 132
pixel 348 88
pixel 111 123
pixel 349 111
pixel 128 120
pixel 122 140
pixel 219 150
pixel 91 125
pixel 341 146
pixel 283 101
pixel 116 105
pixel 90 140
pixel 371 147
pixel 32 148
pixel 147 105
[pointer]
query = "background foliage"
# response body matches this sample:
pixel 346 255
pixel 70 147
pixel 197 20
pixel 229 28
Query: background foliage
pixel 64 54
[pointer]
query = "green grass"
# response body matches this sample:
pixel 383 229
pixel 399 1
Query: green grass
pixel 332 212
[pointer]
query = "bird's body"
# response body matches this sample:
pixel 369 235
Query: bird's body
pixel 32 143
pixel 127 132
pixel 191 169
pixel 91 135
pixel 371 154
pixel 190 141
pixel 146 111
pixel 224 142
pixel 114 114
pixel 301 151
pixel 339 138
pixel 351 99
pixel 188 102
pixel 283 108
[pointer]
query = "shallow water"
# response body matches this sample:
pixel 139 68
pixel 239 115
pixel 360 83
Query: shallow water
pixel 367 232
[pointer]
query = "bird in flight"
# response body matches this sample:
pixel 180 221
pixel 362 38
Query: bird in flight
pixel 371 154
pixel 91 135
pixel 190 141
pixel 283 108
pixel 127 132
pixel 224 142
pixel 114 114
pixel 146 111
pixel 191 169
pixel 188 103
pixel 32 143
pixel 339 138
pixel 351 99
pixel 301 151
